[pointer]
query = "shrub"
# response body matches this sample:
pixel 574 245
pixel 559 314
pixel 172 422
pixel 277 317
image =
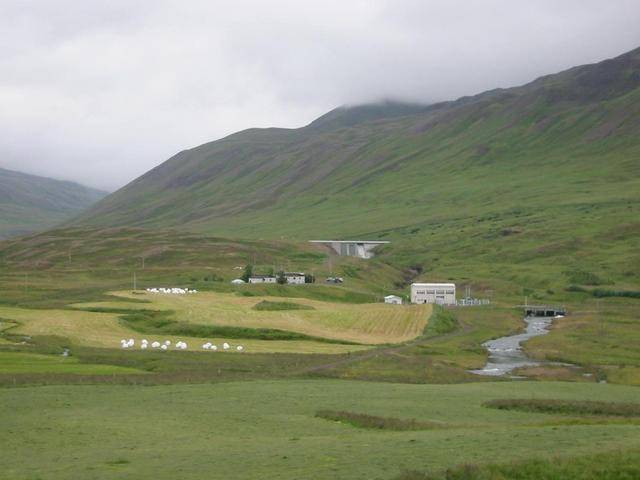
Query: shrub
pixel 600 292
pixel 567 407
pixel 442 321
pixel 362 420
pixel 584 278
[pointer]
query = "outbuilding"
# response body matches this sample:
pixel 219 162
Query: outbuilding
pixel 262 279
pixel 296 278
pixel 394 299
pixel 438 293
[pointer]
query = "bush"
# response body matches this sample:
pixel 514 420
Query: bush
pixel 584 278
pixel 442 321
pixel 248 272
pixel 575 288
pixel 567 407
pixel 600 292
pixel 362 420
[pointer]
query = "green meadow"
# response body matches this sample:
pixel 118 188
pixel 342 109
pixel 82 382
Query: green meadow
pixel 269 429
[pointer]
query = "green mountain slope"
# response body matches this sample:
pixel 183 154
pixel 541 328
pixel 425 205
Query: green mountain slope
pixel 29 203
pixel 547 171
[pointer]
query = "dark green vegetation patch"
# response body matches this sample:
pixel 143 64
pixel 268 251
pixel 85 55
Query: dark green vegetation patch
pixel 567 407
pixel 269 306
pixel 609 466
pixel 362 420
pixel 442 321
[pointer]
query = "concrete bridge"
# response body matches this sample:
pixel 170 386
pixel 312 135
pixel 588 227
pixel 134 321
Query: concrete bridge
pixel 543 310
pixel 352 248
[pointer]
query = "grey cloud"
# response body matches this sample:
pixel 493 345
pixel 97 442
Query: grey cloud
pixel 101 91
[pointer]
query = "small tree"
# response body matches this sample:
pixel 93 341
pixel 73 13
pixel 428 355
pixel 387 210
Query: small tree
pixel 248 272
pixel 281 279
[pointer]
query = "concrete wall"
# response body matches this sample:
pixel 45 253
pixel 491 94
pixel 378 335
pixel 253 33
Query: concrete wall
pixel 361 249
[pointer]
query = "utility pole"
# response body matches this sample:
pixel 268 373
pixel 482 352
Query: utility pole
pixel 135 282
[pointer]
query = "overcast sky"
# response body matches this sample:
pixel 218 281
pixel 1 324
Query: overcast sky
pixel 101 91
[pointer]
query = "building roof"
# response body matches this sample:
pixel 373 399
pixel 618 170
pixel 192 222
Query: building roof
pixel 262 276
pixel 393 296
pixel 290 274
pixel 446 285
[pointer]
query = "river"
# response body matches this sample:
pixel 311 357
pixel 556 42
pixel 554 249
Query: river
pixel 506 353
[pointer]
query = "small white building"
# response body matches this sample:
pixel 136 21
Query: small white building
pixel 237 281
pixel 296 278
pixel 438 293
pixel 262 279
pixel 394 299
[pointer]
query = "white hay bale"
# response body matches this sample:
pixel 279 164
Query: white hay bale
pixel 226 346
pixel 164 347
pixel 167 342
pixel 239 348
pixel 155 345
pixel 144 346
pixel 213 348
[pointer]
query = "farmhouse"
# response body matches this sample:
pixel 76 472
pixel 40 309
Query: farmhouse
pixel 294 277
pixel 438 293
pixel 262 279
pixel 394 299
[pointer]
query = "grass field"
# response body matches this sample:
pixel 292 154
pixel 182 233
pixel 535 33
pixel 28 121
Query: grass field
pixel 105 330
pixel 20 362
pixel 257 430
pixel 372 323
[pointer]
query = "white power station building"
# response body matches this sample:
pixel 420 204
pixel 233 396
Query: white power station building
pixel 438 293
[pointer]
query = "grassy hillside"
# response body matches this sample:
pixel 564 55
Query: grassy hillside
pixel 29 203
pixel 530 182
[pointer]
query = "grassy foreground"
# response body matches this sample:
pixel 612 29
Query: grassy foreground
pixel 268 429
pixel 623 465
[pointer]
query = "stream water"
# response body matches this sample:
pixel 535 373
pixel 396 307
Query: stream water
pixel 506 353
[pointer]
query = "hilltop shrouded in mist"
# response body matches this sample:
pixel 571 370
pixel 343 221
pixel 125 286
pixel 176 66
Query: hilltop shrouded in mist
pixel 384 166
pixel 101 92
